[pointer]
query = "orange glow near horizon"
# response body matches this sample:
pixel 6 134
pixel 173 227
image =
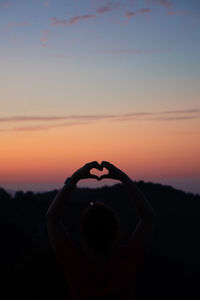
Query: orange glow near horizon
pixel 142 149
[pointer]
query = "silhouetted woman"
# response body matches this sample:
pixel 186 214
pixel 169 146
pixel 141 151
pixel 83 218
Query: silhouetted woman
pixel 101 268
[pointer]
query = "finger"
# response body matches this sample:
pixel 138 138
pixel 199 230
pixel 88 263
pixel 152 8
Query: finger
pixel 93 176
pixel 95 164
pixel 104 176
pixel 89 163
pixel 105 164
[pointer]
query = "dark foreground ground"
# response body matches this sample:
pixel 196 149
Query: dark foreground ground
pixel 172 267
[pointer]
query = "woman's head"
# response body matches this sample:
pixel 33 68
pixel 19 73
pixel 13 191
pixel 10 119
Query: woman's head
pixel 100 227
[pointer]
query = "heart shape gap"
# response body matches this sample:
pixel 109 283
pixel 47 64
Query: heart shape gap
pixel 99 173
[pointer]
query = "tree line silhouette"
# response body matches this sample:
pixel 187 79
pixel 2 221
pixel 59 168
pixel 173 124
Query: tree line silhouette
pixel 172 266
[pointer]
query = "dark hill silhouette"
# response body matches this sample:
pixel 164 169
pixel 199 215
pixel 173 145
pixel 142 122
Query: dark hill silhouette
pixel 172 266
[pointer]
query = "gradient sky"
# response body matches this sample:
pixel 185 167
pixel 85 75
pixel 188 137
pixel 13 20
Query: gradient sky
pixel 99 80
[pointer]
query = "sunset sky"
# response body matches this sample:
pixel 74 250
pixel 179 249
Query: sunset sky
pixel 99 80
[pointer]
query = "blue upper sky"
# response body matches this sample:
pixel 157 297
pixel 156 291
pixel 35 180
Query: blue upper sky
pixel 146 42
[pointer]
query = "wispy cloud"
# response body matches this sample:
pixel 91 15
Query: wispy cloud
pixel 173 115
pixel 44 127
pixel 166 3
pixel 183 111
pixel 44 37
pixel 50 126
pixel 104 9
pixel 125 8
pixel 46 3
pixel 137 12
pixel 185 12
pixel 72 20
pixel 7 5
pixel 135 51
pixel 54 118
pixel 75 19
pixel 50 122
pixel 18 24
pixel 109 7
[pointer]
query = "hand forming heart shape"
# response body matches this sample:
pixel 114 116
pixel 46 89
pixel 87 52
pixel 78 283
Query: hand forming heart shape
pixel 84 172
pixel 99 172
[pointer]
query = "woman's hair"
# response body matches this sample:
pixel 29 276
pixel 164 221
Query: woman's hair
pixel 100 226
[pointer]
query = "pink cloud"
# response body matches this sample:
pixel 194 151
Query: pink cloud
pixel 55 22
pixel 46 3
pixel 42 122
pixel 44 127
pixel 44 37
pixel 130 14
pixel 166 3
pixel 138 12
pixel 136 51
pixel 87 17
pixel 7 5
pixel 75 19
pixel 180 13
pixel 144 10
pixel 18 24
pixel 104 6
pixel 103 10
pixel 72 20
pixel 109 7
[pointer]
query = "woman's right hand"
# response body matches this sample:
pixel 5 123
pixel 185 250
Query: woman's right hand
pixel 113 172
pixel 84 172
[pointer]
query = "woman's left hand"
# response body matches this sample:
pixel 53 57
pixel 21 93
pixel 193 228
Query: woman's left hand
pixel 84 172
